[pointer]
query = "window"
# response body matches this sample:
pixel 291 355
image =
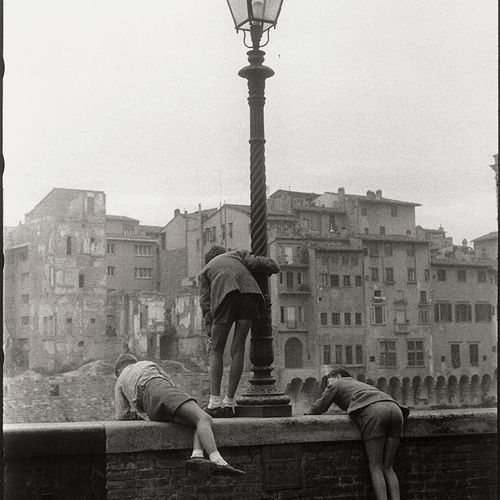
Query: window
pixel 481 276
pixel 111 270
pixel 230 229
pixel 359 318
pixel 282 314
pixel 358 281
pixel 301 314
pixel 110 326
pixel 323 278
pixel 427 275
pixel 367 231
pixel 410 250
pixel 315 222
pixel 338 354
pixel 323 319
pixel 394 210
pixel 359 354
pixel 382 229
pixel 335 319
pixel 81 280
pixel 305 224
pixel 463 313
pixel 345 259
pixel 143 272
pixel 364 211
pixel 347 319
pixel 45 325
pixel 462 276
pixel 347 280
pixel 354 260
pixel 415 353
pixel 280 274
pixel 332 223
pixel 377 315
pixel 25 320
pixel 334 280
pixel 482 312
pixel 92 321
pixel 442 312
pixel 374 273
pixel 289 281
pixel 163 241
pixel 441 273
pixel 412 278
pixel 25 298
pixel 288 255
pixel 455 355
pixel 299 279
pixel 90 204
pixel 111 248
pixel 423 315
pixel 388 249
pixel 474 354
pixel 373 250
pixel 326 355
pixel 212 234
pixel 128 230
pixel 387 350
pixel 68 245
pixel 389 275
pixel 423 297
pixel 334 258
pixel 143 250
pixel 348 355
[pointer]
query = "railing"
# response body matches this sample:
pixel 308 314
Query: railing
pixel 300 289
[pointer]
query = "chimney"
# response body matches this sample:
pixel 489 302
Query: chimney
pixel 370 195
pixel 464 244
pixel 341 191
pixel 378 194
pixel 177 212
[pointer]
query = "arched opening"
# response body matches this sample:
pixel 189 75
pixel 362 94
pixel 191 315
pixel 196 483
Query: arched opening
pixel 406 391
pixel 293 353
pixel 370 382
pixel 485 389
pixel 464 390
pixel 441 392
pixel 310 390
pixel 453 390
pixel 475 390
pixel 417 391
pixel 429 393
pixel 395 389
pixel 361 377
pixel 293 389
pixel 382 384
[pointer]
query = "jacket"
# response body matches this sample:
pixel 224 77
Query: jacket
pixel 351 395
pixel 130 386
pixel 228 272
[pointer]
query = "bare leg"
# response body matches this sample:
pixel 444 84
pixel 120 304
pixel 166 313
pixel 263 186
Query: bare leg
pixel 375 451
pixel 191 414
pixel 391 447
pixel 219 339
pixel 237 355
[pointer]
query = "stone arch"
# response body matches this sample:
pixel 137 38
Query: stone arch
pixel 361 377
pixel 382 384
pixel 294 353
pixel 370 382
pixel 429 392
pixel 464 390
pixel 406 391
pixel 453 390
pixel 395 389
pixel 441 391
pixel 294 388
pixel 485 388
pixel 475 390
pixel 417 390
pixel 310 390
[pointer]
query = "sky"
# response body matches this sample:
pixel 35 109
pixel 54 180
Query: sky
pixel 142 100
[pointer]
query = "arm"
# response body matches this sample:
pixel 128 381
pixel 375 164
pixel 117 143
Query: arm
pixel 322 404
pixel 257 264
pixel 205 301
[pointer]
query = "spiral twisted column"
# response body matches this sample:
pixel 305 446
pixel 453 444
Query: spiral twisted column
pixel 262 398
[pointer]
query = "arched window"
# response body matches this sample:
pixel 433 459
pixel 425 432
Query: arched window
pixel 293 353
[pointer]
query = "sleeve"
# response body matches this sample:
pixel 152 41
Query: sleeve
pixel 322 404
pixel 205 299
pixel 257 264
pixel 122 407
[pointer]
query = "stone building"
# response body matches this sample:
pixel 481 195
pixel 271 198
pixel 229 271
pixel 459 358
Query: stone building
pixel 487 245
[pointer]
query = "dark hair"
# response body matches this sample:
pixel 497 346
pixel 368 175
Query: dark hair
pixel 123 361
pixel 213 252
pixel 339 371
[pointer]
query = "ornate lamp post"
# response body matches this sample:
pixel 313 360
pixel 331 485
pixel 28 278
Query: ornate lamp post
pixel 262 398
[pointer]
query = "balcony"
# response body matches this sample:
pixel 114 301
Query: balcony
pixel 295 290
pixel 295 261
pixel 402 327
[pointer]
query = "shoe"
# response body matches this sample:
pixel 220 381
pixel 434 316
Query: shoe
pixel 227 412
pixel 198 464
pixel 213 412
pixel 227 470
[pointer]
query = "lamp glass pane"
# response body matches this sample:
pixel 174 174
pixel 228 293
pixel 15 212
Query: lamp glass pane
pixel 238 10
pixel 272 10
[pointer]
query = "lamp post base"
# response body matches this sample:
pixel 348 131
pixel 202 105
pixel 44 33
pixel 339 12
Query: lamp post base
pixel 262 411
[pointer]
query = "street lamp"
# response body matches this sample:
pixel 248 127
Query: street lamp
pixel 262 398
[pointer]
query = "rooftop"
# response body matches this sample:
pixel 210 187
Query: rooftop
pixel 488 237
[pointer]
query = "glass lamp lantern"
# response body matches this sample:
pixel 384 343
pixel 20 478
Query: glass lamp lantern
pixel 246 13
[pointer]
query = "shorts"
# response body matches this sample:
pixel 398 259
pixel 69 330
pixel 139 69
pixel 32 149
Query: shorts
pixel 380 419
pixel 161 399
pixel 237 306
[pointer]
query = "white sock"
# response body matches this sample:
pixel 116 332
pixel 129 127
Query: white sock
pixel 216 458
pixel 197 453
pixel 228 402
pixel 214 401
